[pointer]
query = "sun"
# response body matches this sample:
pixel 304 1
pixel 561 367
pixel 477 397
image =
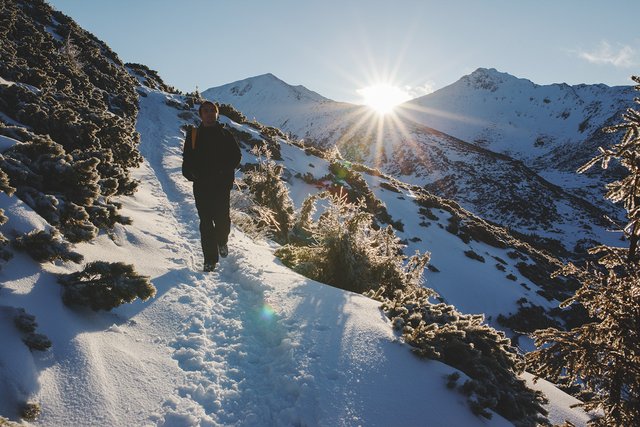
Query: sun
pixel 383 97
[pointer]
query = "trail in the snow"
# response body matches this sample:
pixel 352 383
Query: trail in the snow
pixel 163 152
pixel 236 353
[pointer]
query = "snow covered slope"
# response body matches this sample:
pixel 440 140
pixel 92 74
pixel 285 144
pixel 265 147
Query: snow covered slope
pixel 551 127
pixel 252 344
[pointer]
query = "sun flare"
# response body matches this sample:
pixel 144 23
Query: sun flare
pixel 383 97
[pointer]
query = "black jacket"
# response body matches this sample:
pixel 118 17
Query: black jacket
pixel 213 159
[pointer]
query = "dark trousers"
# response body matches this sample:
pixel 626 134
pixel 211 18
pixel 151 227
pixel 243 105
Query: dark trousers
pixel 215 224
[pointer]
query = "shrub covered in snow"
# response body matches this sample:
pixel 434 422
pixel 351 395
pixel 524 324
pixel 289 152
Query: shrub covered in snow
pixel 3 240
pixel 53 185
pixel 528 318
pixel 103 286
pixel 30 411
pixel 44 246
pixel 229 111
pixel 79 104
pixel 5 255
pixel 150 78
pixel 268 190
pixel 357 188
pixel 440 332
pixel 272 133
pixel 5 187
pixel 26 324
pixel 253 219
pixel 345 250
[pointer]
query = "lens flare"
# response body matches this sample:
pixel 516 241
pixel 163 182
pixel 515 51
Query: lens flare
pixel 267 313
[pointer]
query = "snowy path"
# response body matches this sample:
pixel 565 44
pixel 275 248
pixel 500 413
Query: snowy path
pixel 233 348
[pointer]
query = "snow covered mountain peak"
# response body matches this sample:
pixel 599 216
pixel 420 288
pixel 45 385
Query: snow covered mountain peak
pixel 490 79
pixel 267 87
pixel 554 126
pixel 294 109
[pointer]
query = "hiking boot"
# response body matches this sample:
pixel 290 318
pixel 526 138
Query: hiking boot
pixel 209 266
pixel 223 250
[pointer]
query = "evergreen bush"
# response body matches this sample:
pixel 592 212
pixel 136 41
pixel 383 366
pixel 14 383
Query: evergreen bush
pixel 440 332
pixel 253 219
pixel 30 411
pixel 103 286
pixel 272 133
pixel 268 190
pixel 229 111
pixel 26 324
pixel 474 255
pixel 66 189
pixel 357 188
pixel 345 250
pixel 5 187
pixel 5 255
pixel 150 78
pixel 44 246
pixel 528 318
pixel 603 355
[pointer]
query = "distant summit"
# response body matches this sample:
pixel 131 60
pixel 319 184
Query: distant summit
pixel 266 87
pixel 295 109
pixel 491 79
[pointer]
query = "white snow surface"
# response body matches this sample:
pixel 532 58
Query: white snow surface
pixel 517 117
pixel 252 344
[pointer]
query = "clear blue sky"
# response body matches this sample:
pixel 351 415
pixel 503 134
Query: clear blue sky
pixel 336 47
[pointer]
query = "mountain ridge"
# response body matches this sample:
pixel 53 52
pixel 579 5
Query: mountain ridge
pixel 423 155
pixel 518 117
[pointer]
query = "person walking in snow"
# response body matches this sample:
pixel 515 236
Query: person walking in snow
pixel 209 159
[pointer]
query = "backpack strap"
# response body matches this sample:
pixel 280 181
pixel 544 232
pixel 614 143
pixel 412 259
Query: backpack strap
pixel 194 135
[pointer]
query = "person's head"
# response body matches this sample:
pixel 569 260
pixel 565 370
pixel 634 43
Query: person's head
pixel 208 112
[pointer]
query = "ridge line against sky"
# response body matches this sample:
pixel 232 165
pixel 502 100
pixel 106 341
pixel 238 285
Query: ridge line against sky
pixel 336 48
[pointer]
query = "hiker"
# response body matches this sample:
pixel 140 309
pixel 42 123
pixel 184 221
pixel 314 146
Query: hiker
pixel 209 159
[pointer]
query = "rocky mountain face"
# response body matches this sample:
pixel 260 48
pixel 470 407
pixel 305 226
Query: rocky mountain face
pixel 453 153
